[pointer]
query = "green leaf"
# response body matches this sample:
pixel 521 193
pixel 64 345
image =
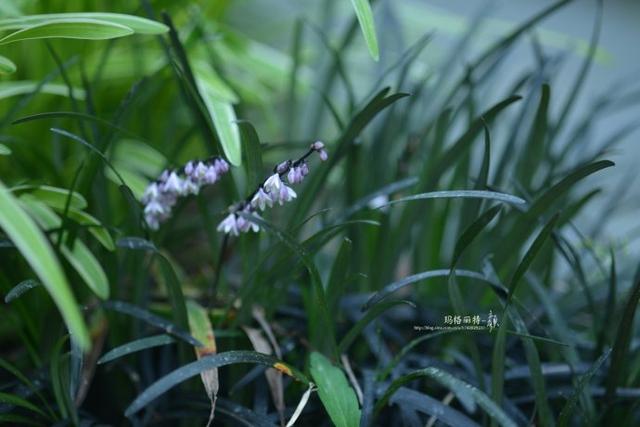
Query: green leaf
pixel 336 394
pixel 4 150
pixel 83 29
pixel 406 281
pixel 316 280
pixel 622 343
pixel 35 248
pixel 583 382
pixel 151 319
pixel 6 65
pixel 458 387
pixel 20 289
pixel 79 256
pixel 54 196
pixel 24 87
pixel 137 24
pixel 135 346
pixel 19 401
pixel 372 313
pixel 253 154
pixel 460 194
pixel 224 120
pixel 367 25
pixel 215 361
pixel 95 227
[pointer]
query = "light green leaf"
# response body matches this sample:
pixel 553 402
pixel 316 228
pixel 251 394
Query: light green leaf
pixel 336 394
pixel 35 248
pixel 54 196
pixel 84 29
pixel 4 150
pixel 367 25
pixel 136 23
pixel 224 120
pixel 6 65
pixel 23 87
pixel 79 256
pixel 95 227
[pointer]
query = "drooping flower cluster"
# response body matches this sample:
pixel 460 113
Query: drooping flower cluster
pixel 162 194
pixel 272 190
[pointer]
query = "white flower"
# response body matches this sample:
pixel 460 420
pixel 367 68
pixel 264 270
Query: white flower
pixel 273 184
pixel 152 221
pixel 174 184
pixel 155 208
pixel 229 225
pixel 189 186
pixel 152 192
pixel 199 171
pixel 285 194
pixel 261 200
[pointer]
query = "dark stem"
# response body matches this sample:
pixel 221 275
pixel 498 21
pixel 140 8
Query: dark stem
pixel 214 286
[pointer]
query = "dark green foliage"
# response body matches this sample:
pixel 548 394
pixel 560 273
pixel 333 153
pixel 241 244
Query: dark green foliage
pixel 461 190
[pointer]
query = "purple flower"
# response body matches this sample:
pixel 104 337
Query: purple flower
pixel 221 166
pixel 318 146
pixel 211 175
pixel 261 199
pixel 188 168
pixel 285 194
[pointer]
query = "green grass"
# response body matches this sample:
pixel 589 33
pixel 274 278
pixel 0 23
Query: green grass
pixel 442 199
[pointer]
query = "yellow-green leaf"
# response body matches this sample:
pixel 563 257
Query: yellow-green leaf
pixel 136 23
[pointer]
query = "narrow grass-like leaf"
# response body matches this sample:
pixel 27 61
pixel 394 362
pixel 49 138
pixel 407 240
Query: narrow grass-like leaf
pixel 20 289
pixel 454 384
pixel 499 349
pixel 54 196
pixel 151 319
pixel 224 120
pixel 83 29
pixel 136 243
pixel 96 228
pixel 136 346
pixel 210 362
pixel 393 287
pixel 316 281
pixel 28 87
pixel 619 355
pixel 136 23
pixel 6 65
pixel 32 244
pixel 460 194
pixel 337 396
pixel 367 25
pixel 79 256
pixel 253 154
pixel 472 232
pixel 583 382
pixel 371 314
pixel 14 400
